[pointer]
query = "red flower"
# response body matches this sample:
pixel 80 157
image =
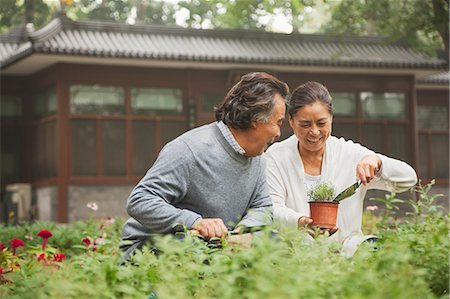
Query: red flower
pixel 2 246
pixel 44 234
pixel 1 271
pixel 41 257
pixel 86 241
pixel 59 257
pixel 15 243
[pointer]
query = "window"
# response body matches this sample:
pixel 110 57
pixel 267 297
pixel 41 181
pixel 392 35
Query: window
pixel 83 147
pixel 11 107
pixel 432 117
pixel 378 120
pixel 97 100
pixel 45 104
pixel 11 153
pixel 44 150
pixel 156 101
pixel 344 104
pixel 383 105
pixel 113 140
pixel 144 145
pixel 101 126
pixel 209 101
pixel 433 125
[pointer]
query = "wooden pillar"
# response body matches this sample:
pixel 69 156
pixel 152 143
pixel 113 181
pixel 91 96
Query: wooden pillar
pixel 413 121
pixel 62 143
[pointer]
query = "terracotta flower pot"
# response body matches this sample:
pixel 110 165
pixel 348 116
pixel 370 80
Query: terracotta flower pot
pixel 324 213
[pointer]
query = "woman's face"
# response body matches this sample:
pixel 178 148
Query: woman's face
pixel 312 126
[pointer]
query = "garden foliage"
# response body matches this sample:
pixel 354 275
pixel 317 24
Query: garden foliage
pixel 409 261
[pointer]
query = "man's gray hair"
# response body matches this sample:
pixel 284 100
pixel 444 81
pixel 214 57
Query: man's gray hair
pixel 251 99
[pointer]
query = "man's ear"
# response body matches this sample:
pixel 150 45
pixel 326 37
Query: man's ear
pixel 253 124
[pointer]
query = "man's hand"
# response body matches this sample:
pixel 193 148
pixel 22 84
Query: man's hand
pixel 307 222
pixel 244 240
pixel 211 227
pixel 367 168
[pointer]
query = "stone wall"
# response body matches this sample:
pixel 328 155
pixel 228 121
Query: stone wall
pixel 45 203
pixel 111 201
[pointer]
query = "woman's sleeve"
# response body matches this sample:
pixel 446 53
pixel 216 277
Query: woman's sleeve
pixel 396 175
pixel 278 194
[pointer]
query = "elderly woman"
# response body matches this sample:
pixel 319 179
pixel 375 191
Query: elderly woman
pixel 312 155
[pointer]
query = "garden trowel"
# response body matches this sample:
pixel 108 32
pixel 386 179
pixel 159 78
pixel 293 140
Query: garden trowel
pixel 347 192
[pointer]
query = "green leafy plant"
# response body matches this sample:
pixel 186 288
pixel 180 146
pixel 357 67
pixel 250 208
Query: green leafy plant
pixel 323 191
pixel 411 262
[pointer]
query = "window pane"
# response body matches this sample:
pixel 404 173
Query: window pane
pixel 113 147
pixel 11 107
pixel 171 130
pixel 398 142
pixel 144 146
pixel 156 101
pixel 383 105
pixel 423 156
pixel 440 156
pixel 348 131
pixel 209 101
pixel 344 104
pixel 44 150
pixel 50 151
pixel 95 99
pixel 39 105
pixel 45 103
pixel 373 137
pixel 11 150
pixel 83 147
pixel 432 117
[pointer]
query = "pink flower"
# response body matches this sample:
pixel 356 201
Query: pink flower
pixel 86 241
pixel 2 246
pixel 93 206
pixel 110 220
pixel 45 235
pixel 16 243
pixel 59 257
pixel 99 241
pixel 371 208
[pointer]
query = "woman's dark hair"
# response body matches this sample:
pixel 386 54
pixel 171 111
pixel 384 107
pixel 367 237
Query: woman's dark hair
pixel 307 94
pixel 251 99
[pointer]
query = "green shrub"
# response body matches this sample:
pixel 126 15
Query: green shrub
pixel 411 262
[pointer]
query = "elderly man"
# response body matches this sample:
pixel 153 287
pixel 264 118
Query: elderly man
pixel 212 178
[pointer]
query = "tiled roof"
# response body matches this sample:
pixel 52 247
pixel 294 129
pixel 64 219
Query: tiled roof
pixel 113 40
pixel 441 78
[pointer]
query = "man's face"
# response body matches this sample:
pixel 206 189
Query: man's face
pixel 265 133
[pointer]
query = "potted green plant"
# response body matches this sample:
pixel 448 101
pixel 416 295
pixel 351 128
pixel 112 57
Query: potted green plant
pixel 323 210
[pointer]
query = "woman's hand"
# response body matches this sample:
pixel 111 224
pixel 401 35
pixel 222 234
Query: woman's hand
pixel 308 222
pixel 367 168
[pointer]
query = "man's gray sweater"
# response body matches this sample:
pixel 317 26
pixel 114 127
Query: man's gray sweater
pixel 198 175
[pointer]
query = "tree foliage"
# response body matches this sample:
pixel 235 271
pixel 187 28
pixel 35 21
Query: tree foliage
pixel 15 13
pixel 423 24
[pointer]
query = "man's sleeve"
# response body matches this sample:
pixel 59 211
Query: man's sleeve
pixel 166 182
pixel 260 210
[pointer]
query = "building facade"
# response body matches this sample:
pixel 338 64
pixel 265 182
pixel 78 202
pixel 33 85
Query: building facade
pixel 86 105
